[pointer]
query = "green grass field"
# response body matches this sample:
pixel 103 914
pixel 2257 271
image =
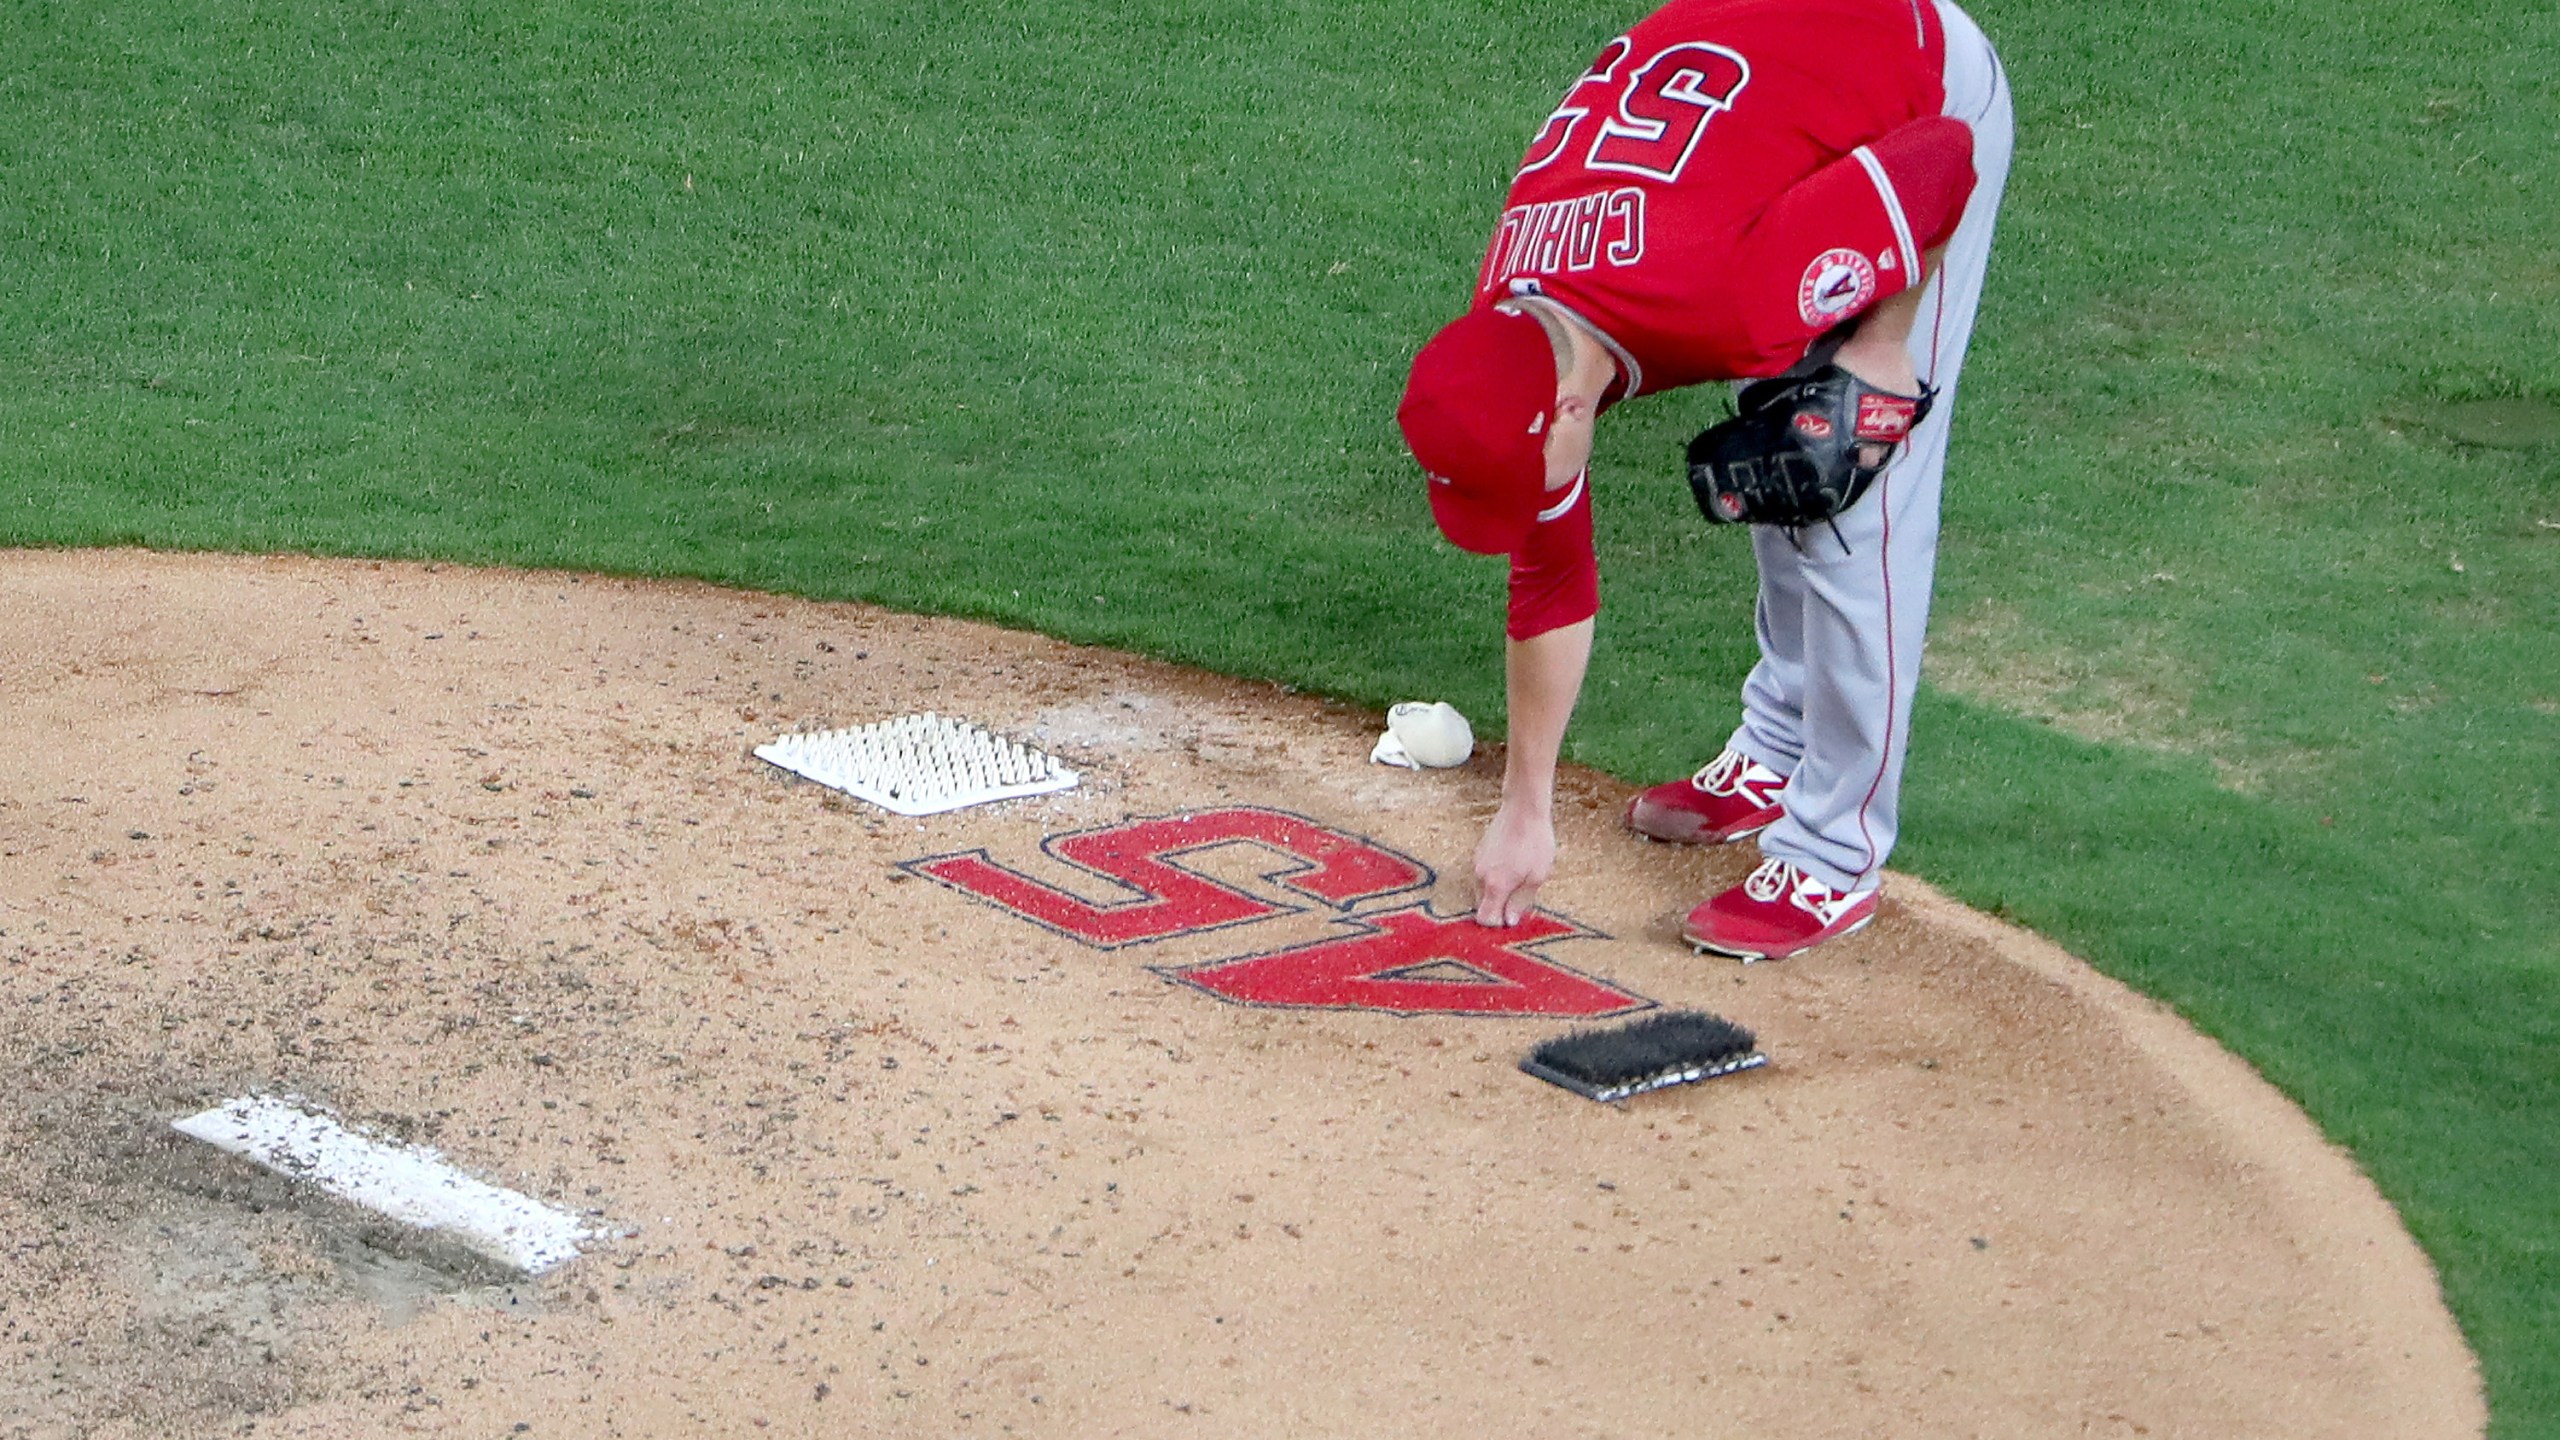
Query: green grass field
pixel 1091 318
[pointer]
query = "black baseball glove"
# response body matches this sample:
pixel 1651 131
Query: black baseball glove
pixel 1800 448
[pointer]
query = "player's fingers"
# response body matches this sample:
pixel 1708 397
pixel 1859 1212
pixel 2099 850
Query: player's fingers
pixel 1491 898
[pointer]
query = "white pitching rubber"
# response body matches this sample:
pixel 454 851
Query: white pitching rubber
pixel 410 1184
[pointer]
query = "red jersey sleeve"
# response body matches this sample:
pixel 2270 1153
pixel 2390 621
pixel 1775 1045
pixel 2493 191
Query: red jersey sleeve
pixel 1555 577
pixel 1928 170
pixel 1850 234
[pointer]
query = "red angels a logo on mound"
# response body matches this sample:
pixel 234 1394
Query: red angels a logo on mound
pixel 1838 282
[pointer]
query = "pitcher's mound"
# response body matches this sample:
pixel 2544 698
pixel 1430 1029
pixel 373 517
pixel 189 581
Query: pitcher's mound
pixel 1180 1103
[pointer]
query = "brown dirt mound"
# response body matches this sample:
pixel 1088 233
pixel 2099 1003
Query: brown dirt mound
pixel 483 859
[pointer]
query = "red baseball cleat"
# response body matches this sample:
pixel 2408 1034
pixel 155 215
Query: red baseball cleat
pixel 1779 911
pixel 1730 798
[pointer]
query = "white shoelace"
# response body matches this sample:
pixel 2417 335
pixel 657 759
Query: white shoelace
pixel 1776 878
pixel 1734 773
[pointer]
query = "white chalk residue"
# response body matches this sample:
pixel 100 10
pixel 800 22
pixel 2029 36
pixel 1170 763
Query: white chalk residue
pixel 409 1183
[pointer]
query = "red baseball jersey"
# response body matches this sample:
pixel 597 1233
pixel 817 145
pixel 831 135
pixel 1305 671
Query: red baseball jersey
pixel 1731 178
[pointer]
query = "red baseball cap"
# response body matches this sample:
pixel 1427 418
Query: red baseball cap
pixel 1475 414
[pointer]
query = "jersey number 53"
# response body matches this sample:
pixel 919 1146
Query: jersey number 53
pixel 1651 111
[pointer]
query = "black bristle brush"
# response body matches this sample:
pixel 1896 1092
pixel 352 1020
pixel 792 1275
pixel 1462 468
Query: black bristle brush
pixel 1671 1048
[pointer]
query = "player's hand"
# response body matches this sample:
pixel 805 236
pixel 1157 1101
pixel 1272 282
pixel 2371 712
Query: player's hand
pixel 1515 857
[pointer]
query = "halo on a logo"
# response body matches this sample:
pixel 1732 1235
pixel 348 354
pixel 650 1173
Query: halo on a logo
pixel 1838 282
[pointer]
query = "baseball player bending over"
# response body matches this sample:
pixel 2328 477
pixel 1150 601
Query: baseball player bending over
pixel 1796 193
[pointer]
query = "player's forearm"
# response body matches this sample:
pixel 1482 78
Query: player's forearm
pixel 1544 676
pixel 1879 350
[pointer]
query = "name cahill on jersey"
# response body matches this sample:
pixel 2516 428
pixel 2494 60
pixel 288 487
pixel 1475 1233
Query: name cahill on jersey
pixel 1552 237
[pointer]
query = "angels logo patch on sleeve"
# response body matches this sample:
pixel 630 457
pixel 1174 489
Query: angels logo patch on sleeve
pixel 1838 283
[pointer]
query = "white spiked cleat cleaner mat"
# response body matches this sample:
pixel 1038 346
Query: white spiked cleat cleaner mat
pixel 919 764
pixel 409 1183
